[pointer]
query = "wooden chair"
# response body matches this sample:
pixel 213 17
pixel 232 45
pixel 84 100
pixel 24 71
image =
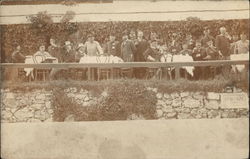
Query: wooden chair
pixel 41 74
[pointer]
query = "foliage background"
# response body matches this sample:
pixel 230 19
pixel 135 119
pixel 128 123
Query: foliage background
pixel 42 28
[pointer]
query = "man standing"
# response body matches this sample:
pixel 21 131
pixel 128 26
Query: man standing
pixel 127 54
pixel 141 46
pixel 242 46
pixel 127 49
pixel 207 37
pixel 112 47
pixel 222 43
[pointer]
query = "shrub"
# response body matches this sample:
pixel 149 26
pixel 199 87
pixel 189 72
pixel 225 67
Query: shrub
pixel 129 99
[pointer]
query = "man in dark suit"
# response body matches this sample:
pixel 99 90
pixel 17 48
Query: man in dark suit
pixel 141 46
pixel 222 43
pixel 127 49
pixel 112 47
pixel 198 54
pixel 127 54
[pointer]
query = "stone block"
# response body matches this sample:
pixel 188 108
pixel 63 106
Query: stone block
pixel 213 114
pixel 159 95
pixel 168 101
pixel 184 94
pixel 213 96
pixel 168 109
pixel 167 96
pixel 175 95
pixel 198 95
pixel 37 106
pixel 212 104
pixel 177 103
pixel 9 95
pixel 184 116
pixel 191 103
pixel 171 115
pixel 41 96
pixel 159 113
pixel 23 114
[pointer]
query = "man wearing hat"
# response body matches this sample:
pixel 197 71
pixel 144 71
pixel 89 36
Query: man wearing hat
pixel 80 52
pixel 92 47
pixel 68 54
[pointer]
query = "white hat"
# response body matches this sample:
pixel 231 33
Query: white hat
pixel 67 43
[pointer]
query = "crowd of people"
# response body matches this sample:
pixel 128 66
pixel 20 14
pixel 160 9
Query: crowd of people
pixel 133 47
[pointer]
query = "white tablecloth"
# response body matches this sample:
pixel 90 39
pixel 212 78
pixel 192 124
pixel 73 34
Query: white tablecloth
pixel 100 59
pixel 32 60
pixel 240 68
pixel 180 58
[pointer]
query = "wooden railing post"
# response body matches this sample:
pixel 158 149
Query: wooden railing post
pixel 177 72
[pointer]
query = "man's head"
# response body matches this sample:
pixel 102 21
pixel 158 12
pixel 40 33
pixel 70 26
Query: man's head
pixel 153 36
pixel 42 48
pixel 153 44
pixel 243 36
pixel 91 37
pixel 206 31
pixel 184 46
pixel 223 30
pixel 235 37
pixel 52 41
pixel 198 44
pixel 112 37
pixel 140 34
pixel 18 47
pixel 125 37
pixel 132 34
pixel 68 45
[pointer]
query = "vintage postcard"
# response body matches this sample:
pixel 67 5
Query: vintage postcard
pixel 123 79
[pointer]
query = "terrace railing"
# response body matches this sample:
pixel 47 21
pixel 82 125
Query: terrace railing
pixel 176 65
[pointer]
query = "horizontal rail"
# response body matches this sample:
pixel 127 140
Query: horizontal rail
pixel 126 64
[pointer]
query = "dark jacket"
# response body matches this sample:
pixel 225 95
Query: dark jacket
pixel 198 54
pixel 68 56
pixel 55 52
pixel 212 52
pixel 112 48
pixel 222 43
pixel 141 47
pixel 127 51
pixel 17 57
pixel 153 53
pixel 205 39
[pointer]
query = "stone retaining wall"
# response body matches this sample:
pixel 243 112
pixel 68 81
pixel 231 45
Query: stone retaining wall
pixel 35 106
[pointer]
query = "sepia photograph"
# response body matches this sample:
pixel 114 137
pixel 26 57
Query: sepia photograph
pixel 124 79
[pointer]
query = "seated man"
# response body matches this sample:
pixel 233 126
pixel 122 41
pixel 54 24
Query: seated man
pixel 17 56
pixel 198 54
pixel 152 54
pixel 212 54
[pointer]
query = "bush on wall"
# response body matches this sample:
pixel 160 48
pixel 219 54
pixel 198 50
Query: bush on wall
pixel 119 104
